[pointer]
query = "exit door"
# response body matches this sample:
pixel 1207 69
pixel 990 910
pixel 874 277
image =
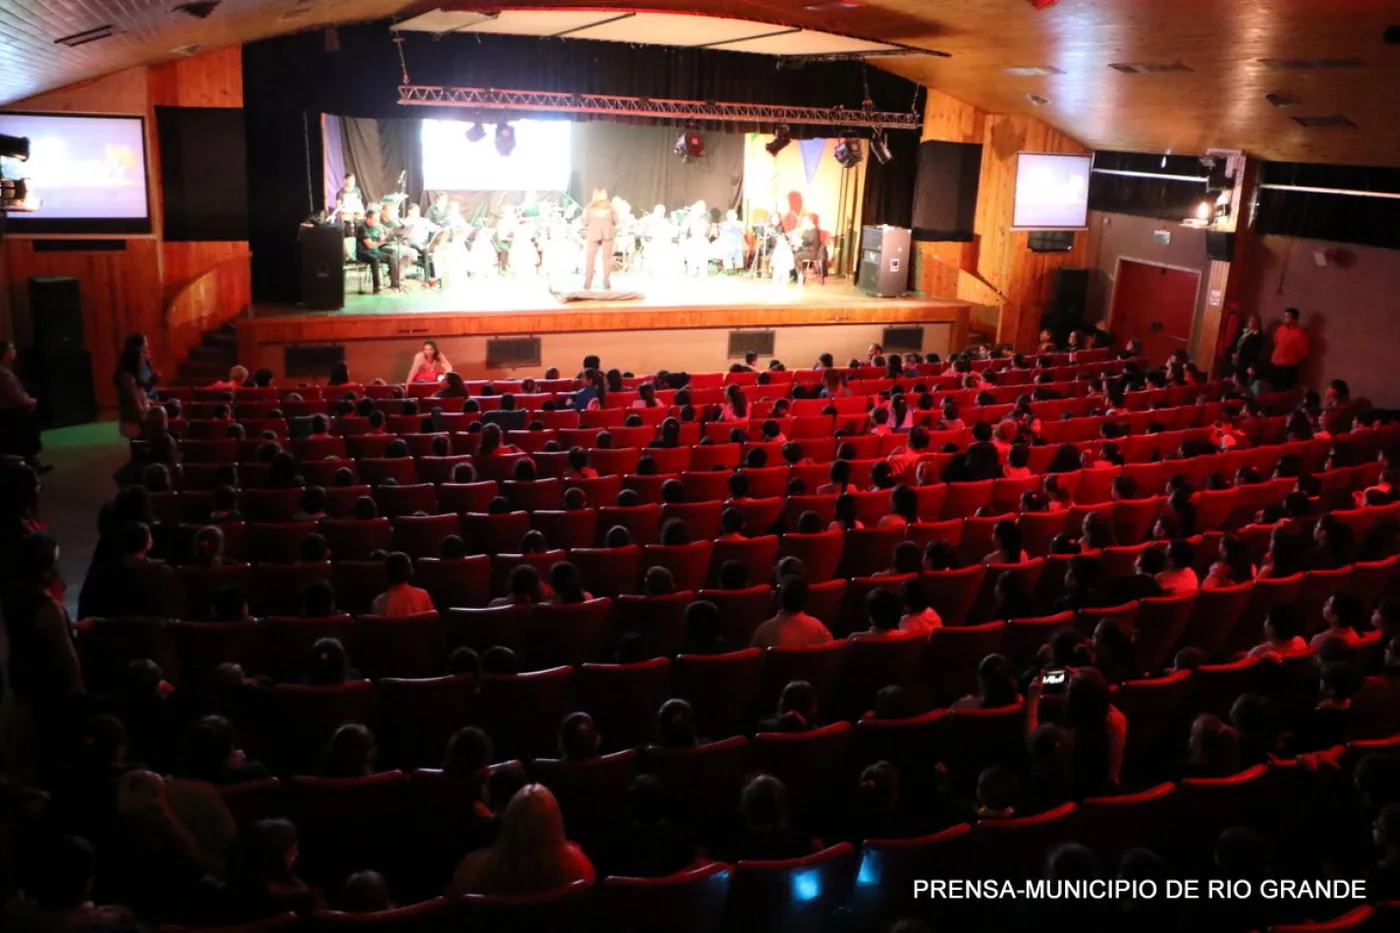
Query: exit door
pixel 1157 305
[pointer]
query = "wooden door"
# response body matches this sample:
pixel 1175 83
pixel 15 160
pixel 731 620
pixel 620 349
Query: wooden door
pixel 1155 304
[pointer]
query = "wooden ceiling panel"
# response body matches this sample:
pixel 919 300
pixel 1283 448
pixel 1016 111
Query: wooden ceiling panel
pixel 1217 103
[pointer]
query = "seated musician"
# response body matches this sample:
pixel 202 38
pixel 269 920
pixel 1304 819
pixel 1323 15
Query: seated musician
pixel 809 247
pixel 370 239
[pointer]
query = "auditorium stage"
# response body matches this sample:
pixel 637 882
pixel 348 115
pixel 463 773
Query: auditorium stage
pixel 675 324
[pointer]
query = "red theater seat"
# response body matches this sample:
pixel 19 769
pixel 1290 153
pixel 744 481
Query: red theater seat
pixel 691 901
pixel 791 896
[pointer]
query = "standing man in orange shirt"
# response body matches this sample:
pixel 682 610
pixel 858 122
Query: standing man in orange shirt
pixel 1290 349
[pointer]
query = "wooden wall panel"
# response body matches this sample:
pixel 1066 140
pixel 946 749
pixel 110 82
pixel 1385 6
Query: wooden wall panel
pixel 1004 259
pixel 121 294
pixel 135 289
pixel 211 79
pixel 998 268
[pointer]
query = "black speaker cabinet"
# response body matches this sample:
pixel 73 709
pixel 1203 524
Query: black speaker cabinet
pixel 56 314
pixel 323 267
pixel 62 383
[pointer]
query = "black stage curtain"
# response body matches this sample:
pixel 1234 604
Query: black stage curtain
pixel 288 77
pixel 889 188
pixel 378 150
pixel 638 163
pixel 1342 218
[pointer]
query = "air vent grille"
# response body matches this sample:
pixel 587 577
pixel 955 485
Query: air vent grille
pixel 310 361
pixel 89 35
pixel 1335 121
pixel 742 342
pixel 1149 68
pixel 1033 71
pixel 1309 64
pixel 508 352
pixel 903 339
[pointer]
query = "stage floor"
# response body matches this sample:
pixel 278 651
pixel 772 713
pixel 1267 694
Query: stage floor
pixel 515 296
pixel 674 313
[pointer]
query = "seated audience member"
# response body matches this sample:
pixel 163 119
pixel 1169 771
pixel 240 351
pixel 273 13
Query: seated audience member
pixel 1213 750
pixel 366 892
pixel 317 600
pixel 1097 730
pixel 884 609
pixel 313 549
pixel 648 844
pixel 267 883
pixel 878 810
pixel 524 588
pixel 402 598
pixel 1330 722
pixel 918 615
pixel 1179 577
pixel 1281 639
pixel 530 853
pixel 766 831
pixel 469 752
pixel 567 584
pixel 1344 614
pixel 702 630
pixel 675 725
pixel 1006 544
pixel 792 627
pixel 329 665
pixel 997 789
pixel 996 686
pixel 1232 566
pixel 1142 583
pixel 350 753
pixel 579 739
pixel 1082 577
pixel 797 709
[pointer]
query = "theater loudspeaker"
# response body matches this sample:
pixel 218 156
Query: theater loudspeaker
pixel 884 261
pixel 62 383
pixel 56 314
pixel 323 267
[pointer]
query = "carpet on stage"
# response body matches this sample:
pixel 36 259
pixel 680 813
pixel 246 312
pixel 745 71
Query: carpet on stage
pixel 606 295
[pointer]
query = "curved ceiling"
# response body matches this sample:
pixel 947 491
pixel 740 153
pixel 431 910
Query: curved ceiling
pixel 1145 75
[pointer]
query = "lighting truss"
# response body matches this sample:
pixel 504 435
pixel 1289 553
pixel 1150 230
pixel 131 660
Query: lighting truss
pixel 477 98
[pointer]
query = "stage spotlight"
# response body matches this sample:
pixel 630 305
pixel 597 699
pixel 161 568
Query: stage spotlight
pixel 690 145
pixel 781 137
pixel 848 151
pixel 880 149
pixel 476 133
pixel 505 138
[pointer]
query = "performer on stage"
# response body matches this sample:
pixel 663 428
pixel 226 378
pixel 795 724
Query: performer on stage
pixel 659 252
pixel 483 260
pixel 450 259
pixel 731 241
pixel 809 247
pixel 600 229
pixel 349 202
pixel 437 210
pixel 560 250
pixel 429 365
pixel 781 260
pixel 697 241
pixel 370 238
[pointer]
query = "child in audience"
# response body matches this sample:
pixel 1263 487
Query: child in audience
pixel 1281 639
pixel 1344 614
pixel 401 599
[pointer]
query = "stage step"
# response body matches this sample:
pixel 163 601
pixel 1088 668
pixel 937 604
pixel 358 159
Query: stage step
pixel 211 359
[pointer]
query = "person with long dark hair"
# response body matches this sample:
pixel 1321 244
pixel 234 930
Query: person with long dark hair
pixel 135 381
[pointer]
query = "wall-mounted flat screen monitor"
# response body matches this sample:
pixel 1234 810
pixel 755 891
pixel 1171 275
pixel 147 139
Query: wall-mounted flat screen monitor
pixel 1052 191
pixel 88 172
